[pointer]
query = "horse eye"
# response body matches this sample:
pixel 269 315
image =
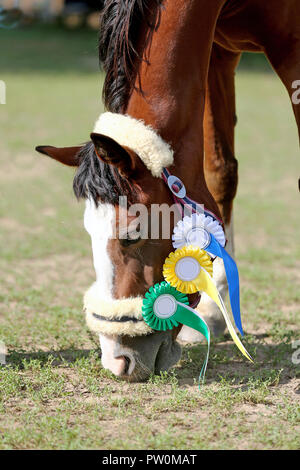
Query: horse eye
pixel 129 241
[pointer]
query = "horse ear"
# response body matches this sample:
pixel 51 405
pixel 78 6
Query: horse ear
pixel 109 151
pixel 66 155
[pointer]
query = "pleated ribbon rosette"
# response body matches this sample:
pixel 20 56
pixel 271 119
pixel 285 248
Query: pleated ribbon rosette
pixel 206 233
pixel 164 308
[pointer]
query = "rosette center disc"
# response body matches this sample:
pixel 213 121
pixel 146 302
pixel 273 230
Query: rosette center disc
pixel 198 236
pixel 165 306
pixel 187 268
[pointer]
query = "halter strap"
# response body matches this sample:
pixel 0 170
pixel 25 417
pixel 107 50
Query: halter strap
pixel 182 201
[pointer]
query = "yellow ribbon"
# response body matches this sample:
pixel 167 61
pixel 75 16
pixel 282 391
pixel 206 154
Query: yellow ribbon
pixel 201 282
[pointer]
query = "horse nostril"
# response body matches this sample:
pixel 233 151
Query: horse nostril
pixel 127 364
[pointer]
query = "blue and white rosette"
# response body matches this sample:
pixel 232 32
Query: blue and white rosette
pixel 196 230
pixel 203 231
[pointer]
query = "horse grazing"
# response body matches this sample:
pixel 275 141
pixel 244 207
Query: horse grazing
pixel 169 90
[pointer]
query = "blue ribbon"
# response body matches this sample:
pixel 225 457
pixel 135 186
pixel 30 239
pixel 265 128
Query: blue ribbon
pixel 233 282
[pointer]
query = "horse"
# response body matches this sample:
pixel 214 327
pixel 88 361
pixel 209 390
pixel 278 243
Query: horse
pixel 170 98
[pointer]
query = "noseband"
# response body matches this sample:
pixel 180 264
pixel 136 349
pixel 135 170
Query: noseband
pixel 198 238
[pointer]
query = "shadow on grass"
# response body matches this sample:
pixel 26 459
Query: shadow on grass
pixel 272 362
pixel 58 358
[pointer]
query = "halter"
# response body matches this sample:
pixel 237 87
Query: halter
pixel 180 197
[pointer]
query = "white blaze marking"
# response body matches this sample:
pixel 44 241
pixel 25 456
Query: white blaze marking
pixel 99 223
pixel 115 364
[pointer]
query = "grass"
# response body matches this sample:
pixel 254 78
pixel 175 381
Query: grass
pixel 54 393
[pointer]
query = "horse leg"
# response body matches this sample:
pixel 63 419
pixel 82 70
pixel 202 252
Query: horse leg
pixel 287 67
pixel 220 170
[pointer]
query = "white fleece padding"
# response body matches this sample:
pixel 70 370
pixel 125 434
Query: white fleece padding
pixel 155 153
pixel 114 309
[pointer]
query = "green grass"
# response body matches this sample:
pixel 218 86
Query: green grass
pixel 54 393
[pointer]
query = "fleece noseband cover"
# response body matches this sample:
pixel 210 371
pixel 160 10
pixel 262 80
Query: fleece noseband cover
pixel 114 317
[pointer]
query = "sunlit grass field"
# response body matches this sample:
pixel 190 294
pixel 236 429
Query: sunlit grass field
pixel 53 392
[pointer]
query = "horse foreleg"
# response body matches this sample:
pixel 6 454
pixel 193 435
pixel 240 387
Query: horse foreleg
pixel 287 67
pixel 220 170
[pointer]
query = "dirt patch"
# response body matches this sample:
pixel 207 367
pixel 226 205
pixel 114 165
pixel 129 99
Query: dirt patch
pixel 12 225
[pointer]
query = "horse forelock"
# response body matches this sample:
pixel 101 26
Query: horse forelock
pixel 126 29
pixel 100 181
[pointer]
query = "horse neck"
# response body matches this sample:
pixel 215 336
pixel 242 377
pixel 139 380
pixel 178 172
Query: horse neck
pixel 173 84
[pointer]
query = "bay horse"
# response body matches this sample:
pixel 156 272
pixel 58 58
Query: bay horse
pixel 169 90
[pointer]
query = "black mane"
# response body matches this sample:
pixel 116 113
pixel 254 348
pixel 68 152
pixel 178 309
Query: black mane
pixel 121 46
pixel 97 180
pixel 126 28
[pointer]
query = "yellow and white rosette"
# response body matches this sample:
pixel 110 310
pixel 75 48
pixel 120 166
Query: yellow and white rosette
pixel 189 270
pixel 186 268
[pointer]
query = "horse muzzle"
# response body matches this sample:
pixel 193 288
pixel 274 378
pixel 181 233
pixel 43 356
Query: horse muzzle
pixel 130 349
pixel 134 359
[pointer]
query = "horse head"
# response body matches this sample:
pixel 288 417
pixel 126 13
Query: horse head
pixel 129 215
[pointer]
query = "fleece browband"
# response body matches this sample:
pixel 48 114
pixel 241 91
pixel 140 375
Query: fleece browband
pixel 154 152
